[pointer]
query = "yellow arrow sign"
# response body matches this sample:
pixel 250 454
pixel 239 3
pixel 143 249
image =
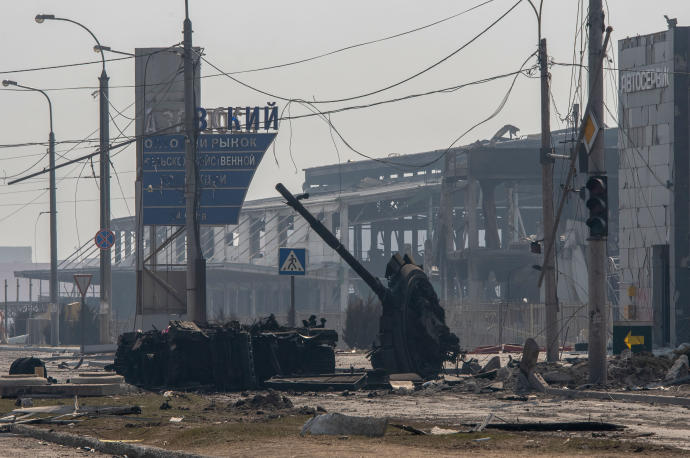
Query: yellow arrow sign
pixel 631 340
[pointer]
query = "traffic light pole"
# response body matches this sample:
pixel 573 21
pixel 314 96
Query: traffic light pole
pixel 549 269
pixel 596 247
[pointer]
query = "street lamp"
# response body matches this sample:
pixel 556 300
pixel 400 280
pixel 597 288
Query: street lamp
pixel 53 284
pixel 105 267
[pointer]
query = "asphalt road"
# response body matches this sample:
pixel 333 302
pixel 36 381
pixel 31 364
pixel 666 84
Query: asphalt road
pixel 15 446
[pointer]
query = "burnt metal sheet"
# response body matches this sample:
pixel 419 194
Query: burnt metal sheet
pixel 340 382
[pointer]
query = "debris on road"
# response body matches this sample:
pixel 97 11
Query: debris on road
pixel 678 370
pixel 271 401
pixel 338 382
pixel 336 424
pixel 557 426
pixel 28 366
pixel 528 378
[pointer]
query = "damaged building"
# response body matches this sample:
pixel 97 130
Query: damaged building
pixel 470 215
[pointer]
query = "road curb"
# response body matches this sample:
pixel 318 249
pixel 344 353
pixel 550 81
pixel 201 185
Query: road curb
pixel 114 448
pixel 644 398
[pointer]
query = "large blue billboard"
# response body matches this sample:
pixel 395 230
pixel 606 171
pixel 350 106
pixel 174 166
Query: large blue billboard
pixel 226 165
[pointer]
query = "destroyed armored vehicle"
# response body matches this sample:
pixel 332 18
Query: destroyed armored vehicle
pixel 223 357
pixel 413 336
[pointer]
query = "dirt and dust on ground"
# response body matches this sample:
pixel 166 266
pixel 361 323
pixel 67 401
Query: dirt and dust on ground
pixel 268 423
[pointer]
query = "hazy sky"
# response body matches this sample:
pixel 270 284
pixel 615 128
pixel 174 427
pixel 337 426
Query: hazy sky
pixel 239 35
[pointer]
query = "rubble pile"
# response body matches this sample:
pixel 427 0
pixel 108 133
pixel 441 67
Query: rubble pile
pixel 637 370
pixel 222 357
pixel 270 401
pixel 624 371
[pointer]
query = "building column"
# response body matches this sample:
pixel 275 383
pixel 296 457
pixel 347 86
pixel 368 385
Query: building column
pixel 474 285
pixel 345 269
pixel 490 221
pixel 128 244
pixel 415 239
pixel 118 246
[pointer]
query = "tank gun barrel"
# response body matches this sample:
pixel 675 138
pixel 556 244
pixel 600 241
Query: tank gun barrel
pixel 330 239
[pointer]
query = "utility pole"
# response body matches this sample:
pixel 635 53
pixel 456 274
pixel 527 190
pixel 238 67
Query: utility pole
pixel 53 286
pixel 7 331
pixel 596 247
pixel 550 293
pixel 53 283
pixel 105 266
pixel 104 170
pixel 196 266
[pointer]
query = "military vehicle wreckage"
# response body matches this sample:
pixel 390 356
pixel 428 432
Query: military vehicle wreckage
pixel 413 336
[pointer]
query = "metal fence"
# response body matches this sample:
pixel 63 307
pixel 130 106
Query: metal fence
pixel 502 323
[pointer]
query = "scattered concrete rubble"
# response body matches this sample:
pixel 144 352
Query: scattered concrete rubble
pixel 270 401
pixel 64 414
pixel 678 370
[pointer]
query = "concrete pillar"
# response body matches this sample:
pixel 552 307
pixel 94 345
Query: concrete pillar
pixel 471 225
pixel 490 219
pixel 385 227
pixel 415 238
pixel 128 244
pixel 474 285
pixel 252 298
pixel 118 246
pixel 358 242
pixel 373 241
pixel 271 239
pixel 345 241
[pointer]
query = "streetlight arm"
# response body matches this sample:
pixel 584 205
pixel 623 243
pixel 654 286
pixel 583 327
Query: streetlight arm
pixel 538 14
pixel 50 105
pixel 98 43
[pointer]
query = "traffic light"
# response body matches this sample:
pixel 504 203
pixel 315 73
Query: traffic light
pixel 597 203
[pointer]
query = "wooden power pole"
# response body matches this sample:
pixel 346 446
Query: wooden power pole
pixel 549 266
pixel 596 247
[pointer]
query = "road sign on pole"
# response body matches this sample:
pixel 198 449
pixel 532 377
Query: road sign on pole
pixel 292 261
pixel 226 167
pixel 104 239
pixel 83 281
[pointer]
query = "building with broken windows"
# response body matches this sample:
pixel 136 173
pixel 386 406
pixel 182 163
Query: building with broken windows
pixel 470 215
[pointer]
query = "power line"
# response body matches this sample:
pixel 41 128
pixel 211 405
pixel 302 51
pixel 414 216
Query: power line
pixel 271 67
pixel 61 202
pixel 80 64
pixel 364 43
pixel 391 86
pixel 408 97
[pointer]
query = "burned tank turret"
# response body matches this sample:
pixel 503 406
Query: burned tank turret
pixel 413 336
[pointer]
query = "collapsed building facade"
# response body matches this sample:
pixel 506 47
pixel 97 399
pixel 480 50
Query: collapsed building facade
pixel 469 215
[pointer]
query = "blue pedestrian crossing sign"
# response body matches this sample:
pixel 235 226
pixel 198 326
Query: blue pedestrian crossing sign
pixel 292 261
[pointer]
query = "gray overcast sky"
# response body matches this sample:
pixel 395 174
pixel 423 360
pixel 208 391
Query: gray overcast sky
pixel 239 35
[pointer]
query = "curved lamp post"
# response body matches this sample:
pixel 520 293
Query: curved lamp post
pixel 105 266
pixel 53 284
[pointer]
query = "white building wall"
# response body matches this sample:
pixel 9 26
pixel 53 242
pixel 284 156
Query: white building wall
pixel 645 141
